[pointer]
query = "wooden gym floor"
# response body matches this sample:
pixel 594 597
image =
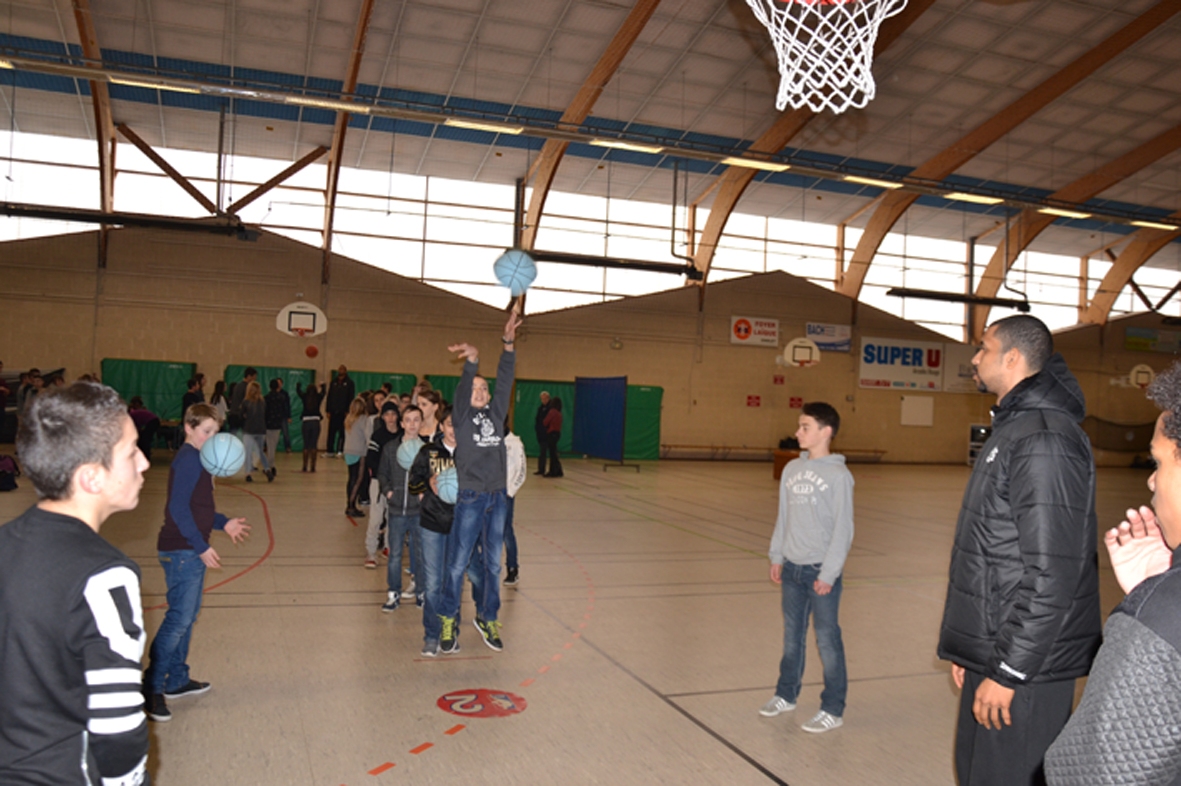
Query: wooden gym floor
pixel 641 641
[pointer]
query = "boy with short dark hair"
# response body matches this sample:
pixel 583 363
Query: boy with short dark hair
pixel 813 534
pixel 71 622
pixel 402 507
pixel 185 553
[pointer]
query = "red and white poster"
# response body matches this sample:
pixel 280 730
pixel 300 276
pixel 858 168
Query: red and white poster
pixel 754 331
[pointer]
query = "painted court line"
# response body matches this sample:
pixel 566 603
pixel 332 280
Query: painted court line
pixel 389 765
pixel 421 748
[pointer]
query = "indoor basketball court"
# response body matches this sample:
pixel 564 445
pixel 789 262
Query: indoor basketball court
pixel 716 211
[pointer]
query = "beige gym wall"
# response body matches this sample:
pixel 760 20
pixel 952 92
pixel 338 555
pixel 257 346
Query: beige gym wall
pixel 213 301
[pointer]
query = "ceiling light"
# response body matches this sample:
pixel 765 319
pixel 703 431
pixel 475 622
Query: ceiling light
pixel 328 103
pixel 118 80
pixel 474 125
pixel 960 196
pixel 621 145
pixel 1155 225
pixel 870 181
pixel 1053 211
pixel 6 64
pixel 751 163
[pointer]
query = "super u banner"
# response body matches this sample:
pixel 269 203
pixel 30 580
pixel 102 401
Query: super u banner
pixel 901 364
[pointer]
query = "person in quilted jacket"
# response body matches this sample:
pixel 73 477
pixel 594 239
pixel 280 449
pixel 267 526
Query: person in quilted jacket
pixel 1022 621
pixel 1127 729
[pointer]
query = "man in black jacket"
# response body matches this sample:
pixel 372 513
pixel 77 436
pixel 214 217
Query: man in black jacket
pixel 1021 621
pixel 341 393
pixel 540 431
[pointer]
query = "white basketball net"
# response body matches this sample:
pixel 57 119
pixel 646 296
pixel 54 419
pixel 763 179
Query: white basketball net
pixel 825 49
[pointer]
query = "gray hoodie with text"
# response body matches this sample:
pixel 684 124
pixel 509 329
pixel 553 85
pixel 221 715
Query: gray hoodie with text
pixel 815 522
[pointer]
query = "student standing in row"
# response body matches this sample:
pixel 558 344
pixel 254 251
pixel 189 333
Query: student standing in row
pixel 312 398
pixel 402 506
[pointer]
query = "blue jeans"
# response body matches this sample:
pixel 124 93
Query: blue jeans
pixel 397 528
pixel 510 537
pixel 800 600
pixel 478 515
pixel 184 572
pixel 434 565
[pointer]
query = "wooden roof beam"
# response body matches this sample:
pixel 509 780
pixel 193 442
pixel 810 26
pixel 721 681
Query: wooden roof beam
pixel 991 130
pixel 1031 223
pixel 286 174
pixel 546 165
pixel 342 123
pixel 104 127
pixel 1145 244
pixel 168 169
pixel 735 180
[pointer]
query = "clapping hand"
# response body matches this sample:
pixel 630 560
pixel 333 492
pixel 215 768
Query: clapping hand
pixel 1137 548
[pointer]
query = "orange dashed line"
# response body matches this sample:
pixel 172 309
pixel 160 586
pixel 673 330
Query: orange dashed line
pixel 568 645
pixel 578 635
pixel 557 657
pixel 455 729
pixel 421 748
pixel 527 683
pixel 389 765
pixel 543 670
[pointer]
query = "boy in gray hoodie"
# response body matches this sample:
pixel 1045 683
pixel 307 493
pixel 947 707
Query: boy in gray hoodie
pixel 813 533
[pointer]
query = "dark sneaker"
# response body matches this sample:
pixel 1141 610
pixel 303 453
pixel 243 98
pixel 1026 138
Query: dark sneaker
pixel 449 641
pixel 420 600
pixel 157 708
pixel 391 602
pixel 430 648
pixel 491 633
pixel 510 579
pixel 194 688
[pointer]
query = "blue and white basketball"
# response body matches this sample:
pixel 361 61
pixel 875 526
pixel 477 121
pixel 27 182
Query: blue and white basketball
pixel 448 482
pixel 516 270
pixel 223 455
pixel 407 451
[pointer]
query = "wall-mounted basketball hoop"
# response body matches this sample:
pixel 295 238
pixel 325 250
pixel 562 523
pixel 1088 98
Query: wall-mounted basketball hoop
pixel 800 353
pixel 825 49
pixel 301 320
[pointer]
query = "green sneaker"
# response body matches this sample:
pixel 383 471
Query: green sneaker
pixel 449 641
pixel 491 632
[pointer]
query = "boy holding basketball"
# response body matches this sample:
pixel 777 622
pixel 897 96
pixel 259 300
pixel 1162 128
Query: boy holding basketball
pixel 184 551
pixel 813 534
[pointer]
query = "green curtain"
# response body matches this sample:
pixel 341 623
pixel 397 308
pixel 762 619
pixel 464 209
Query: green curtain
pixel 528 399
pixel 641 433
pixel 160 383
pixel 291 377
pixel 372 380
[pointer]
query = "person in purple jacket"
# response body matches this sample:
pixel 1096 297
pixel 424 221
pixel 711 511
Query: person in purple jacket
pixel 184 551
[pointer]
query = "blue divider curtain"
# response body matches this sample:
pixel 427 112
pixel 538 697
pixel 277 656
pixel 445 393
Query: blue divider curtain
pixel 600 415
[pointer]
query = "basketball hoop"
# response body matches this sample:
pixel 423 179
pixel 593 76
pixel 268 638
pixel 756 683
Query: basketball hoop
pixel 825 49
pixel 800 353
pixel 301 332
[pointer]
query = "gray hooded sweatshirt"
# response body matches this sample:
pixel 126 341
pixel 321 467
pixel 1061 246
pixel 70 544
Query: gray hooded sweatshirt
pixel 815 522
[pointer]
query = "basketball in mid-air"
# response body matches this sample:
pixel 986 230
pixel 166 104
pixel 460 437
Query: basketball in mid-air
pixel 448 482
pixel 516 270
pixel 223 455
pixel 407 451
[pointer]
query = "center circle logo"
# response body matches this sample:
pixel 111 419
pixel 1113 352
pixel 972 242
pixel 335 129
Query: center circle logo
pixel 481 703
pixel 742 329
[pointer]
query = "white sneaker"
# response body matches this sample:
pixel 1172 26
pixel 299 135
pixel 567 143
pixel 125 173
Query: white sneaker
pixel 408 591
pixel 775 706
pixel 822 722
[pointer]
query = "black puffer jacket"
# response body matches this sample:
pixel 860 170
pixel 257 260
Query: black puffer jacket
pixel 1023 592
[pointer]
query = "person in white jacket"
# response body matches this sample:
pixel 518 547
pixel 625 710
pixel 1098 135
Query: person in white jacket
pixel 518 470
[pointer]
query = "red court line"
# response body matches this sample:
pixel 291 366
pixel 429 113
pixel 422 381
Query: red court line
pixel 527 683
pixel 389 765
pixel 270 547
pixel 351 520
pixel 421 748
pixel 455 729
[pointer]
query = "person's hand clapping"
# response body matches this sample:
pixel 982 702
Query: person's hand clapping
pixel 465 352
pixel 1137 548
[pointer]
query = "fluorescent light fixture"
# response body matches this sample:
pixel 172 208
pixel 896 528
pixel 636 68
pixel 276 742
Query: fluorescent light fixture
pixel 960 196
pixel 1155 225
pixel 118 80
pixel 619 144
pixel 751 163
pixel 474 125
pixel 328 103
pixel 7 64
pixel 871 181
pixel 1053 211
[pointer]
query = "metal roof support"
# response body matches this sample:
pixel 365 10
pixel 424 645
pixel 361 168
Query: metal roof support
pixel 1144 245
pixel 735 180
pixel 1031 223
pixel 546 166
pixel 991 130
pixel 104 128
pixel 310 158
pixel 342 122
pixel 167 168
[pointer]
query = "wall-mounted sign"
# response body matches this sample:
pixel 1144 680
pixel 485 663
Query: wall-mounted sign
pixel 901 364
pixel 754 401
pixel 754 331
pixel 830 338
pixel 1152 340
pixel 777 379
pixel 795 402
